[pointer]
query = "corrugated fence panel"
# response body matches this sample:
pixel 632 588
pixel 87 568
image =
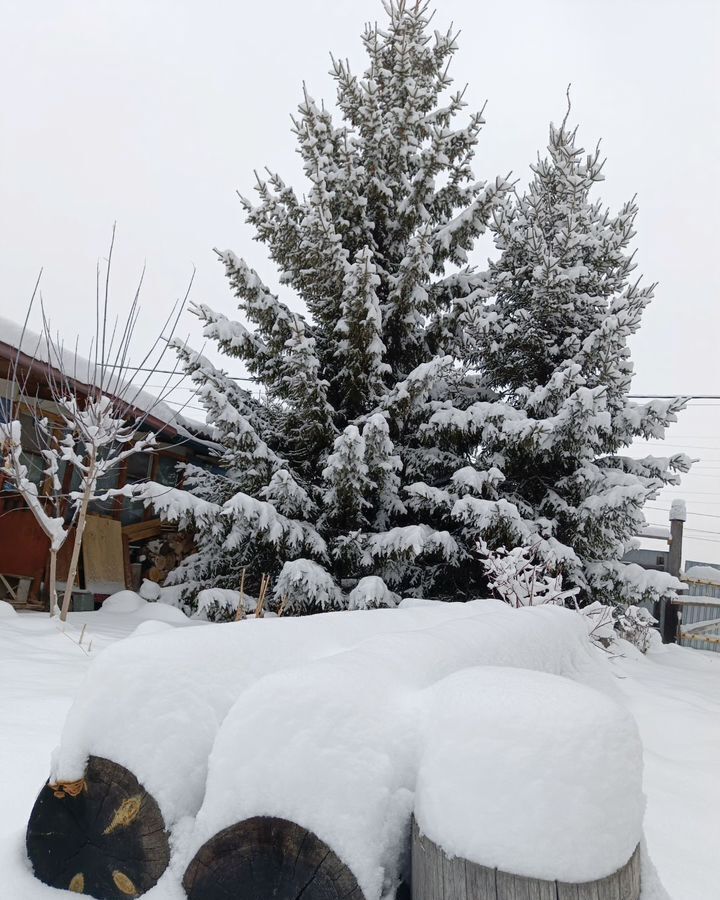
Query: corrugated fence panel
pixel 700 615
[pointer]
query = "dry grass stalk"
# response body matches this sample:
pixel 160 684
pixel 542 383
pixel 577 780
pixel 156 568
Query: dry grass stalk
pixel 264 585
pixel 283 604
pixel 240 614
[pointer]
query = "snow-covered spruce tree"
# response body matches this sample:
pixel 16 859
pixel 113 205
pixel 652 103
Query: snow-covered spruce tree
pixel 554 346
pixel 324 463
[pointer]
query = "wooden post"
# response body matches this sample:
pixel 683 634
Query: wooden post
pixel 668 612
pixel 436 876
pixel 79 529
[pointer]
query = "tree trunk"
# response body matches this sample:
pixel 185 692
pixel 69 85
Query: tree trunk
pixel 268 857
pixel 436 876
pixel 72 571
pixel 104 835
pixel 52 582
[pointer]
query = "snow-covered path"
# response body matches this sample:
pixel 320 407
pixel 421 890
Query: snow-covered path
pixel 674 694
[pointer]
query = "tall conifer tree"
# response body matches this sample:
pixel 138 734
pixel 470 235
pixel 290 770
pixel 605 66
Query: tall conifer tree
pixel 554 347
pixel 323 472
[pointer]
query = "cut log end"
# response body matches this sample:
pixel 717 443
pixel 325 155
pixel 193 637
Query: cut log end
pixel 103 836
pixel 268 857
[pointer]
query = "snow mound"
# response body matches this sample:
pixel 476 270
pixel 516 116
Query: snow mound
pixel 7 609
pixel 532 774
pixel 176 687
pixel 161 612
pixel 171 594
pixel 123 602
pixel 150 626
pixel 149 590
pixel 333 744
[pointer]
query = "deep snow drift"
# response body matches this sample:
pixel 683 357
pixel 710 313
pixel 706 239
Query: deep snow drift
pixel 334 744
pixel 674 694
pixel 176 687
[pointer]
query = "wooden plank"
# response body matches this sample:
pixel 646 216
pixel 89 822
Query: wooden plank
pixel 629 877
pixel 141 530
pixel 454 883
pixel 517 887
pixel 103 555
pixel 481 882
pixel 427 870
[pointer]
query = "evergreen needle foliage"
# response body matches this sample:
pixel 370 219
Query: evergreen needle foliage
pixel 419 405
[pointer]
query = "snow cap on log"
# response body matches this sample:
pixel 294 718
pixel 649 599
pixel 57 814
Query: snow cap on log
pixel 333 745
pixel 176 688
pixel 532 774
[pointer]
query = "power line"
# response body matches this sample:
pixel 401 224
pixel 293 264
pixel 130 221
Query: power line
pixel 630 396
pixel 704 515
pixel 691 532
pixel 673 396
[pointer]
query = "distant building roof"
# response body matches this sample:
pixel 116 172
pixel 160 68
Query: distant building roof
pixel 33 352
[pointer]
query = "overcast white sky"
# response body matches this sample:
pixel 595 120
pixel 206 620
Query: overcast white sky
pixel 153 113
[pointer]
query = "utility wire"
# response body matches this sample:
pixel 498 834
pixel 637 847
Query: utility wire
pixel 704 515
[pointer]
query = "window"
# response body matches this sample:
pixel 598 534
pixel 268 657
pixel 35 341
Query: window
pixel 138 470
pixel 167 471
pixel 31 447
pixel 6 405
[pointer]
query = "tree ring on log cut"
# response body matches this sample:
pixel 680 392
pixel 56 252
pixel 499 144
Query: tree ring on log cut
pixel 103 836
pixel 268 857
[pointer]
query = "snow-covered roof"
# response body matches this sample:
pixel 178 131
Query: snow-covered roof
pixel 655 531
pixel 80 370
pixel 703 573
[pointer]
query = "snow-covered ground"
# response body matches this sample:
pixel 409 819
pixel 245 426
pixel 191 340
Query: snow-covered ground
pixel 674 694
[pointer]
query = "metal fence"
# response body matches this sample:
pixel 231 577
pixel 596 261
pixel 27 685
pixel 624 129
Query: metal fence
pixel 699 620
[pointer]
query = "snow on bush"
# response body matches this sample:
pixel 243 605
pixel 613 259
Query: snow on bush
pixel 155 705
pixel 371 592
pixel 635 624
pixel 600 622
pixel 6 609
pixel 220 604
pixel 521 577
pixel 333 744
pixel 303 584
pixel 530 773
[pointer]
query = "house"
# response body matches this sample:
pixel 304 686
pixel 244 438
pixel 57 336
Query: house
pixel 123 542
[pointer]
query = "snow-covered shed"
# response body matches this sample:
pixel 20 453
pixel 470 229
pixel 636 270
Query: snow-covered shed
pixel 123 541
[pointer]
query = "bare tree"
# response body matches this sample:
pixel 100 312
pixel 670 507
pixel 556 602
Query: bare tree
pixel 105 414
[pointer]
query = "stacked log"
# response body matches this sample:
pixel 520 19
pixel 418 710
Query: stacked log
pixel 268 857
pixel 102 835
